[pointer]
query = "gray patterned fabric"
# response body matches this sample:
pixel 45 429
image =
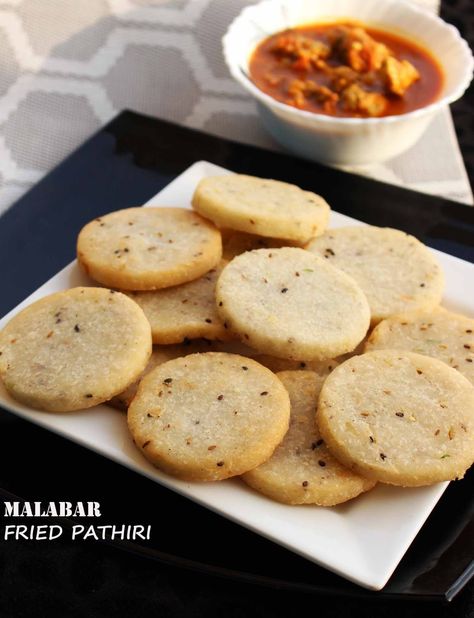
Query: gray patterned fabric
pixel 68 66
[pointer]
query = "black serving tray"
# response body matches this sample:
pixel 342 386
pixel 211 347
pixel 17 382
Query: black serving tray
pixel 127 162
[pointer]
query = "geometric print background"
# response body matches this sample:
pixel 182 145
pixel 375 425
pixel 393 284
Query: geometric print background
pixel 69 66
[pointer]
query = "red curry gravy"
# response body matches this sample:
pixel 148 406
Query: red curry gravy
pixel 346 69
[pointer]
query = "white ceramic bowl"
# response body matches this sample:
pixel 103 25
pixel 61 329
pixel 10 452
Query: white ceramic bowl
pixel 348 141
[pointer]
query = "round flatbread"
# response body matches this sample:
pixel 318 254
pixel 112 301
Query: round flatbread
pixel 261 206
pixel 160 354
pixel 148 248
pixel 399 417
pixel 302 470
pixel 209 416
pixel 439 333
pixel 186 311
pixel 74 349
pixel 395 270
pixel 291 304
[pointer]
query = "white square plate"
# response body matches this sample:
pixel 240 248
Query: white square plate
pixel 362 540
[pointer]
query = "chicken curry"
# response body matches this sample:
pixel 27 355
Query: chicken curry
pixel 345 69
